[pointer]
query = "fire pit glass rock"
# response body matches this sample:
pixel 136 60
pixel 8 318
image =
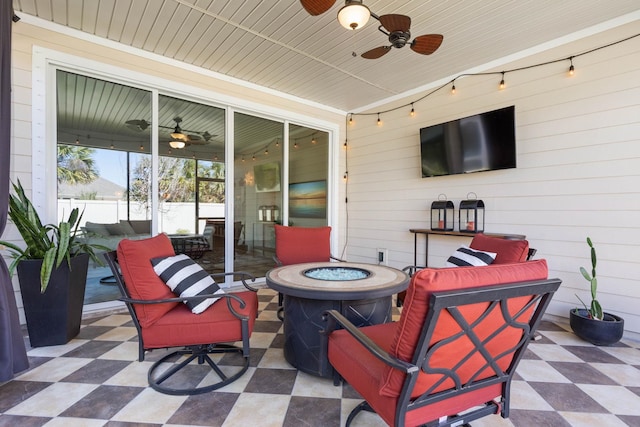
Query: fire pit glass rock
pixel 337 273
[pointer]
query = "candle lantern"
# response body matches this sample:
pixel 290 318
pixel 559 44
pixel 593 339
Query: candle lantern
pixel 471 219
pixel 442 214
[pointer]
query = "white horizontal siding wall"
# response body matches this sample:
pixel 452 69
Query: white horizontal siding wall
pixel 578 174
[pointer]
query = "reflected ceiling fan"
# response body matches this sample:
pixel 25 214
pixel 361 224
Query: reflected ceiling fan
pixel 180 138
pixel 354 15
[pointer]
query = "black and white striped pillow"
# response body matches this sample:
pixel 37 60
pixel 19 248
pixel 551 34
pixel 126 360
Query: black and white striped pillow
pixel 466 257
pixel 186 278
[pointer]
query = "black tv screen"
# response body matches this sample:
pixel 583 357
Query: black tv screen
pixel 482 142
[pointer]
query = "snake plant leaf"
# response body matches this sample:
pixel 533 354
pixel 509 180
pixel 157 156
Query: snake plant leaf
pixel 47 268
pixel 64 231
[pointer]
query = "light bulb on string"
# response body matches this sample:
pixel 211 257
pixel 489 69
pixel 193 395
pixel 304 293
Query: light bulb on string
pixel 412 113
pixel 453 88
pixel 351 119
pixel 379 123
pixel 571 67
pixel 141 147
pixel 502 85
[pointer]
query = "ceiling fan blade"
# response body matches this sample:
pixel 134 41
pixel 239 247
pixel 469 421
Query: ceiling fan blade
pixel 426 44
pixel 394 22
pixel 376 53
pixel 317 7
pixel 138 125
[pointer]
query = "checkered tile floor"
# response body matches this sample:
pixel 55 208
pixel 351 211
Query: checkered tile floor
pixel 96 380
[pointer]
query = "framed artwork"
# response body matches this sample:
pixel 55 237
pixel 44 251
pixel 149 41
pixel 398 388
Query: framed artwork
pixel 308 199
pixel 267 177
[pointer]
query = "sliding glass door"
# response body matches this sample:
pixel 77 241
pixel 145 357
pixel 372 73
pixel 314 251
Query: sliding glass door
pixel 135 171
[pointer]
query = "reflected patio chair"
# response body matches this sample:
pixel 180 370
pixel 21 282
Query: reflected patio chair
pixel 297 245
pixel 163 321
pixel 451 357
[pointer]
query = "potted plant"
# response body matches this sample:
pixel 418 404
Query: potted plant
pixel 52 271
pixel 592 323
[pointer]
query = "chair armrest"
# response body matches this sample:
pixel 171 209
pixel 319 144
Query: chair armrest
pixel 243 277
pixel 412 269
pixel 333 317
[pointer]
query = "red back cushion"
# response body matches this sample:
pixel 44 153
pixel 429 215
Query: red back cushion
pixel 295 245
pixel 134 257
pixel 416 304
pixel 506 250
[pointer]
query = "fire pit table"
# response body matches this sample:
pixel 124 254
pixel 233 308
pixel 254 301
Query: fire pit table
pixel 361 292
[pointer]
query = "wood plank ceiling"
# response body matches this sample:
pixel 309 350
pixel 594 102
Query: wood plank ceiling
pixel 277 45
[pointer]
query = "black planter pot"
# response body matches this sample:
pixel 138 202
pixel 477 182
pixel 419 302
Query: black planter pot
pixel 599 332
pixel 53 317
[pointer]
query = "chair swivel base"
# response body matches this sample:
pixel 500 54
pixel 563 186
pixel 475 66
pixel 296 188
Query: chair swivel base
pixel 200 354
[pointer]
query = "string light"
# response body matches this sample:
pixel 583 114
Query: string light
pixel 502 84
pixel 78 140
pixel 295 144
pixel 313 139
pixel 571 68
pixel 413 112
pixel 266 151
pixel 141 147
pixel 345 176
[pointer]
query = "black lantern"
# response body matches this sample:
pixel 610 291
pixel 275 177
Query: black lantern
pixel 442 215
pixel 471 219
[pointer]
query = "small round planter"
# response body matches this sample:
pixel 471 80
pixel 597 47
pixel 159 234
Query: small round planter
pixel 599 332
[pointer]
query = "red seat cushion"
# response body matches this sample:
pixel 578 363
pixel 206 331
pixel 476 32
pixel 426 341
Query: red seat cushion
pixel 363 371
pixel 506 250
pixel 296 245
pixel 415 309
pixel 180 327
pixel 134 257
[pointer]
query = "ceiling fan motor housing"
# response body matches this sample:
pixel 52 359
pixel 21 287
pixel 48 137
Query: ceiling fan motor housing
pixel 399 38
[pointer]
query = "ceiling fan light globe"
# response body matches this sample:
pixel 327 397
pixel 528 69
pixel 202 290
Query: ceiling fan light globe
pixel 177 144
pixel 354 15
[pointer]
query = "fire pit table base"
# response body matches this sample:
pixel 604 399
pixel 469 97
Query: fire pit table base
pixel 303 320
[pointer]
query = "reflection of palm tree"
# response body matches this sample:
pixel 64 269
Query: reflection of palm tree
pixel 76 165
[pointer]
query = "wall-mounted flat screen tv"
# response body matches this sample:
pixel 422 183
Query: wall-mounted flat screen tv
pixel 482 142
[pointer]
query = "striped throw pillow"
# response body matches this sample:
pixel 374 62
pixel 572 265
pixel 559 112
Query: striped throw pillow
pixel 467 257
pixel 186 278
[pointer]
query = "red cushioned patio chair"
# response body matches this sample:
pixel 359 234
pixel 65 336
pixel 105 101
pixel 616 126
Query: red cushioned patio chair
pixel 164 321
pixel 451 357
pixel 506 250
pixel 297 245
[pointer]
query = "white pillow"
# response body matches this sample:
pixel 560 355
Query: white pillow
pixel 464 256
pixel 186 278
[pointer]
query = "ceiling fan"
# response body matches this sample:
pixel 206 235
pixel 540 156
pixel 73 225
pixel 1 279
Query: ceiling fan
pixel 354 15
pixel 179 138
